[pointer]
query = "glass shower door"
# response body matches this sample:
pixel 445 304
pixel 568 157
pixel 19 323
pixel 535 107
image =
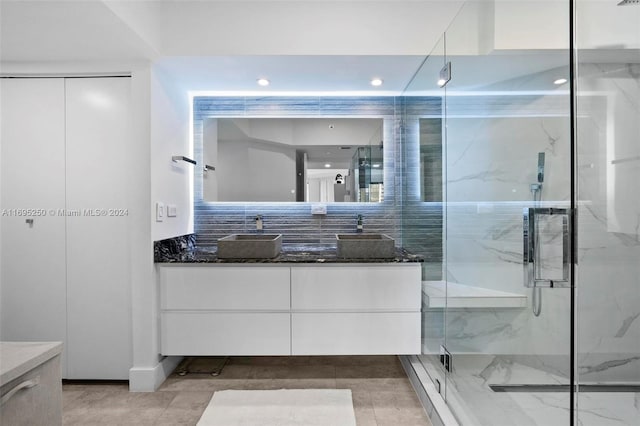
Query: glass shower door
pixel 423 207
pixel 608 173
pixel 519 345
pixel 508 215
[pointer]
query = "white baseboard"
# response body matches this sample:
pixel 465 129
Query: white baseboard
pixel 148 379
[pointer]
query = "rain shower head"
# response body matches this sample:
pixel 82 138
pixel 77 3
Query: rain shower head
pixel 628 2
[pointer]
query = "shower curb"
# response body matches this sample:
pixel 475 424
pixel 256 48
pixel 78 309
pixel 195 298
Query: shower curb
pixel 432 402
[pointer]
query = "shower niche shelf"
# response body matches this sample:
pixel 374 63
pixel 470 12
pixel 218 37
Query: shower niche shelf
pixel 440 294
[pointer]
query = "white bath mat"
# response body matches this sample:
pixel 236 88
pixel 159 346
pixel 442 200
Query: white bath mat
pixel 283 407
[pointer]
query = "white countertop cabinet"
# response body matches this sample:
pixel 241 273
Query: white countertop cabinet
pixel 30 384
pixel 291 309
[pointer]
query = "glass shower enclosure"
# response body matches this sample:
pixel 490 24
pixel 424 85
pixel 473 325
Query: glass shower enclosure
pixel 531 312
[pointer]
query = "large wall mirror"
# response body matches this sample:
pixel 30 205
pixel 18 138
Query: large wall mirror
pixel 322 160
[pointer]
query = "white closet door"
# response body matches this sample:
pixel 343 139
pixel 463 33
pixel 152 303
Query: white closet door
pixel 98 288
pixel 33 302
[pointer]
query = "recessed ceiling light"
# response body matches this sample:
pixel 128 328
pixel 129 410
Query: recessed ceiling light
pixel 327 165
pixel 376 82
pixel 263 82
pixel 560 81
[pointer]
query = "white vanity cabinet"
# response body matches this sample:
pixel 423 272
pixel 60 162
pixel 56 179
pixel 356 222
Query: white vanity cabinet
pixel 225 310
pixel 290 309
pixel 346 309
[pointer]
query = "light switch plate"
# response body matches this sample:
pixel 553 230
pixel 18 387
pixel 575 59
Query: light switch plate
pixel 172 210
pixel 319 209
pixel 159 212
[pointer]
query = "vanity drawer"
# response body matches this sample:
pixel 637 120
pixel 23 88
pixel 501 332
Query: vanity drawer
pixel 224 288
pixel 355 333
pixel 363 287
pixel 218 333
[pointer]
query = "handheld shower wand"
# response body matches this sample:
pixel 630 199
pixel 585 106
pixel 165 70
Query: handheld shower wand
pixel 540 167
pixel 536 189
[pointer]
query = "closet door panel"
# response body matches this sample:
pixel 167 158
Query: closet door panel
pixel 99 295
pixel 33 282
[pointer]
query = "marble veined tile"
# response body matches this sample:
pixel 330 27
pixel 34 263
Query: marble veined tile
pixel 471 398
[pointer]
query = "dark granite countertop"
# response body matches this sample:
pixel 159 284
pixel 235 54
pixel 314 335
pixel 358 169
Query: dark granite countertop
pixel 291 253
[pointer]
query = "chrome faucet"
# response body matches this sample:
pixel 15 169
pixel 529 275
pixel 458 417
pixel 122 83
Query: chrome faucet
pixel 359 226
pixel 258 220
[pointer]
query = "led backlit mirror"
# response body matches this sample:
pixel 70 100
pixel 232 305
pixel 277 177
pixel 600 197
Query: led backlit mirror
pixel 293 159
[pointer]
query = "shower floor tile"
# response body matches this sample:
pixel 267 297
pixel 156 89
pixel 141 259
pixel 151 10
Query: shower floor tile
pixel 474 403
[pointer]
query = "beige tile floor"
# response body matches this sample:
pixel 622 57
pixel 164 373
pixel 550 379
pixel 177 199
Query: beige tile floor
pixel 382 394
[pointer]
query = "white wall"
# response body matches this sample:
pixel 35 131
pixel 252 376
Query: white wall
pixel 66 31
pixel 172 182
pixel 604 25
pixel 531 24
pixel 141 16
pixel 303 27
pixel 161 117
pixel 472 31
pixel 143 285
pixel 483 26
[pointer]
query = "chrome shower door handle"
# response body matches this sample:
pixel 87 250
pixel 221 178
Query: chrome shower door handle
pixel 531 239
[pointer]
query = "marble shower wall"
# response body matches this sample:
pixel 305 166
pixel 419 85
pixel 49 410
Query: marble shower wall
pixel 609 222
pixel 492 152
pixel 491 163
